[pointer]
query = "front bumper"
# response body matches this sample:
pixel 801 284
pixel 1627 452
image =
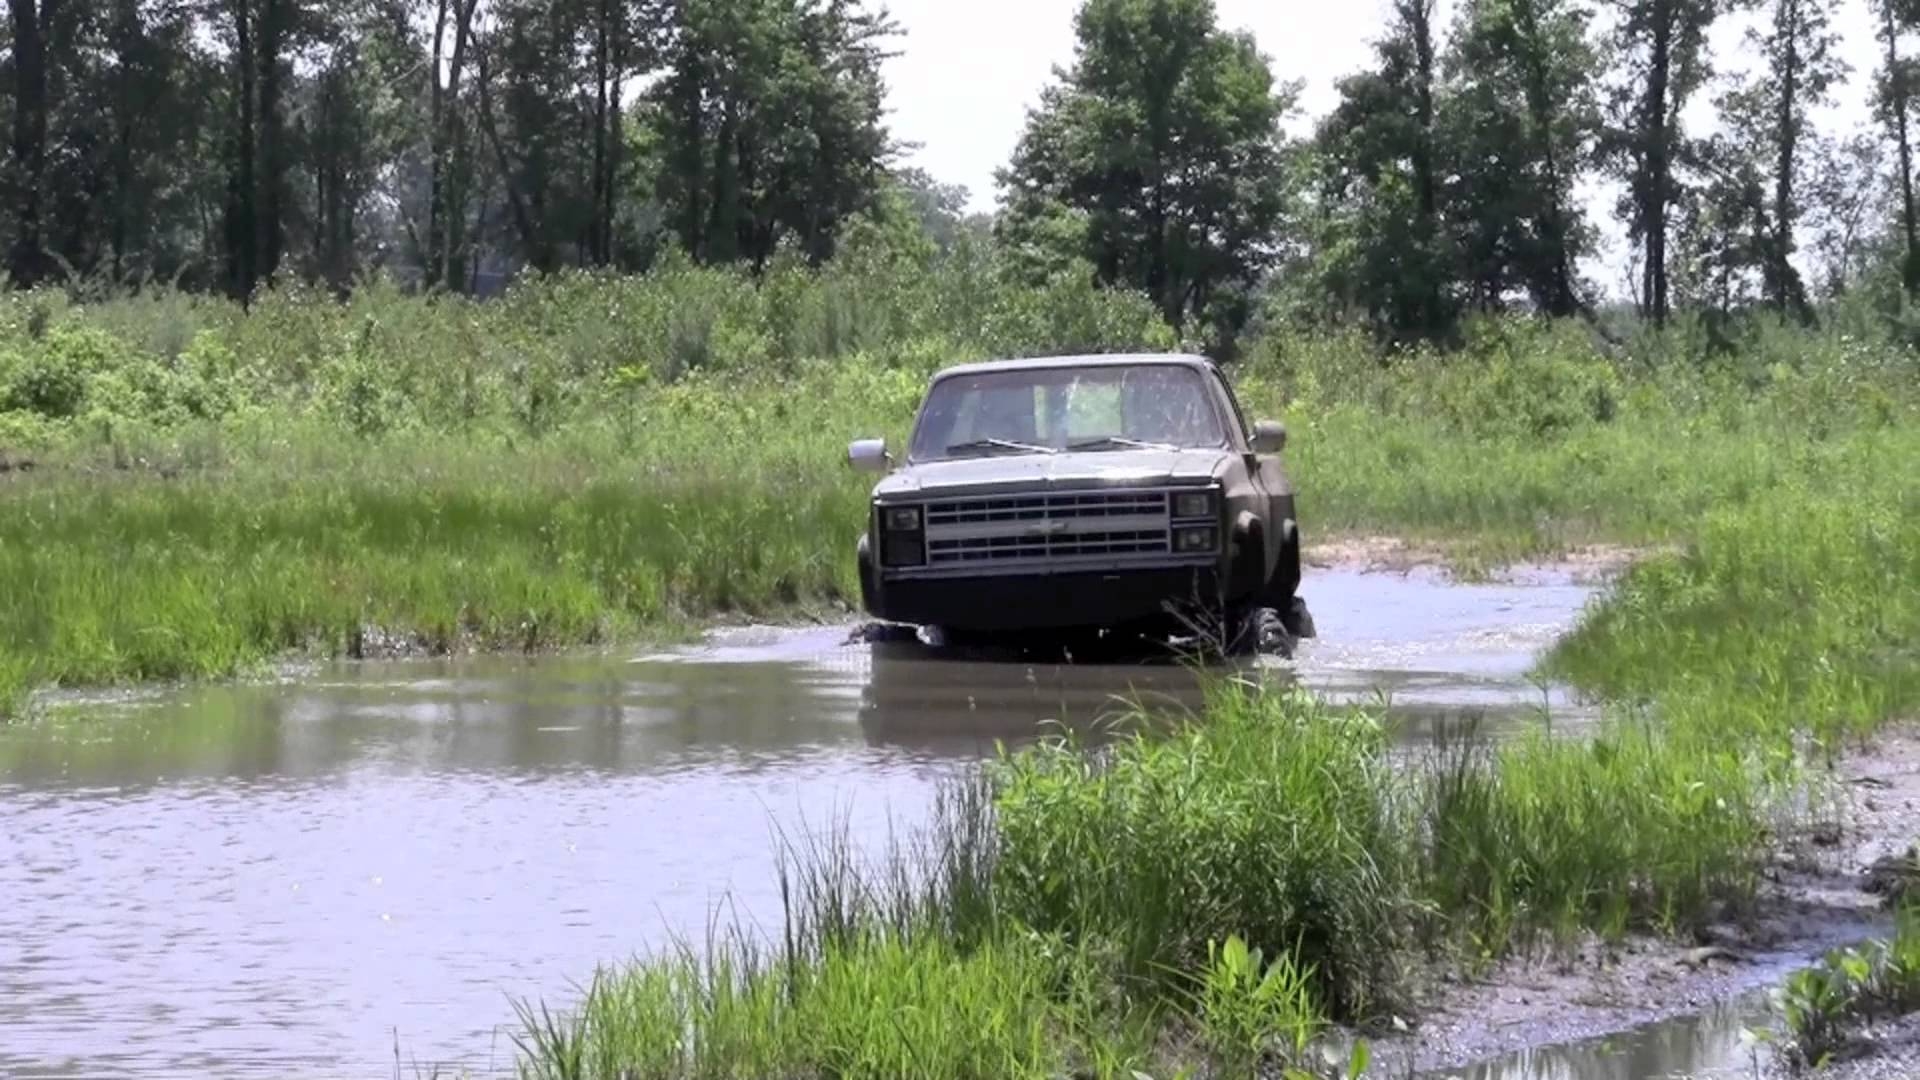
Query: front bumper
pixel 1046 601
pixel 1043 601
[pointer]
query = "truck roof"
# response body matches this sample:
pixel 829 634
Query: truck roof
pixel 1090 360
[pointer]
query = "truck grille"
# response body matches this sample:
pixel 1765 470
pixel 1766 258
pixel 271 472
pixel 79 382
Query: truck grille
pixel 1072 545
pixel 1022 533
pixel 1065 506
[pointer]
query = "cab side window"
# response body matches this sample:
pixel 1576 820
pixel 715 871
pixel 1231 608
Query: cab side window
pixel 1239 418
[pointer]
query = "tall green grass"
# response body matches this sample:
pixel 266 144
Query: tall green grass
pixel 216 486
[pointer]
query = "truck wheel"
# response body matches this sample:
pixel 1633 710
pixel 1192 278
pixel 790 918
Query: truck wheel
pixel 1283 592
pixel 1297 619
pixel 1257 630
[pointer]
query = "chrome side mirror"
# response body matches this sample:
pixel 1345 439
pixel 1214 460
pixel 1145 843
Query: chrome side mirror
pixel 868 455
pixel 1269 436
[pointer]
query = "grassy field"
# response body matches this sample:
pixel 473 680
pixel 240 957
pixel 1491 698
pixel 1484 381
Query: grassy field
pixel 592 459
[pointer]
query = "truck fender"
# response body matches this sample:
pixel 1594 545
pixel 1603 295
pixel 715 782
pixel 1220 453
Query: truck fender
pixel 1249 570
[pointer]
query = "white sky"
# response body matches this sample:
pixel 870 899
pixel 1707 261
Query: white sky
pixel 969 69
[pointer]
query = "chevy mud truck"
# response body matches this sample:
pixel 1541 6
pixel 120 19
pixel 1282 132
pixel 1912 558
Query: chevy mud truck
pixel 1088 494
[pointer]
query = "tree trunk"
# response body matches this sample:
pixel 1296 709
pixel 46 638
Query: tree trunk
pixel 432 266
pixel 241 239
pixel 29 262
pixel 451 156
pixel 1658 167
pixel 1780 269
pixel 272 164
pixel 596 253
pixel 1556 293
pixel 723 226
pixel 1419 16
pixel 618 138
pixel 126 35
pixel 1897 115
pixel 530 238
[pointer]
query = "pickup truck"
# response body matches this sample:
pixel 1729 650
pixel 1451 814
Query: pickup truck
pixel 1060 495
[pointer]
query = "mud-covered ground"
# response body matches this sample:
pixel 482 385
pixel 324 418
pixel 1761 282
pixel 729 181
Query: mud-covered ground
pixel 1814 898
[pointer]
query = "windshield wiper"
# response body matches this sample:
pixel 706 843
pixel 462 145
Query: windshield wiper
pixel 999 444
pixel 1120 440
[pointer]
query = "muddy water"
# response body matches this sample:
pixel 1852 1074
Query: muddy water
pixel 1716 1044
pixel 268 880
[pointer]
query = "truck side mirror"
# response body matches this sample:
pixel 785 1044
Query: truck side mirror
pixel 868 455
pixel 1269 436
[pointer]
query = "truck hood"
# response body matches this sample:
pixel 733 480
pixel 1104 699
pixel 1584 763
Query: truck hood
pixel 1042 472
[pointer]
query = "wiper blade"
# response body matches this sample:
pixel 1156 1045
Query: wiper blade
pixel 999 444
pixel 1120 440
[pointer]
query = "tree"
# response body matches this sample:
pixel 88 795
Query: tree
pixel 1894 103
pixel 769 123
pixel 940 208
pixel 449 162
pixel 29 261
pixel 1519 125
pixel 1801 70
pixel 1158 155
pixel 261 37
pixel 1724 228
pixel 1847 202
pixel 1379 166
pixel 1663 47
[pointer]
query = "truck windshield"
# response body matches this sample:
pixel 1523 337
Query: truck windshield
pixel 1037 410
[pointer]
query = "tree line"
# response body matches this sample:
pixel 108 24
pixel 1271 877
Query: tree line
pixel 225 144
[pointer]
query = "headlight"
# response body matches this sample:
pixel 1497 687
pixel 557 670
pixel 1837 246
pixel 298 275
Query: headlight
pixel 1193 504
pixel 903 519
pixel 1197 539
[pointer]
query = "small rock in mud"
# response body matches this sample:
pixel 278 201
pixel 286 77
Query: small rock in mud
pixel 1894 878
pixel 1707 954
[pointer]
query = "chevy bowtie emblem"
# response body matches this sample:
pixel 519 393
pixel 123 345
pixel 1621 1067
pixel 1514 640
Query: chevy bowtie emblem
pixel 1046 528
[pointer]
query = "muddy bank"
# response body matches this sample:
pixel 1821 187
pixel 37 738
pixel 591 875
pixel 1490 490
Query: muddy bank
pixel 1815 896
pixel 1588 564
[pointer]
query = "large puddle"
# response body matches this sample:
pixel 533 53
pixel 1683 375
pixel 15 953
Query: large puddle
pixel 294 878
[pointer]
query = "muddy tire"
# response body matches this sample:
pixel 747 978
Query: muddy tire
pixel 1255 631
pixel 1297 619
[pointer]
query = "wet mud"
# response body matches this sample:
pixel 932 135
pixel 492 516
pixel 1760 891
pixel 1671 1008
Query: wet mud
pixel 1652 1007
